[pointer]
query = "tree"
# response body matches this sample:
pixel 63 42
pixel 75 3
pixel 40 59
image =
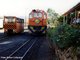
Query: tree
pixel 52 15
pixel 60 19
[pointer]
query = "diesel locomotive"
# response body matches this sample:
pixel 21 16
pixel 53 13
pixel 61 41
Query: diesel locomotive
pixel 37 22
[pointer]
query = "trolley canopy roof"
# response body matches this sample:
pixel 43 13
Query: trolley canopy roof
pixel 77 7
pixel 13 17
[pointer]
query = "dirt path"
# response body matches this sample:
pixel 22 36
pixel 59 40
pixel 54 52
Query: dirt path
pixel 45 53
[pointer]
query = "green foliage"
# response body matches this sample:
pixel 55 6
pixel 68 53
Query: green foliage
pixel 52 15
pixel 60 19
pixel 65 36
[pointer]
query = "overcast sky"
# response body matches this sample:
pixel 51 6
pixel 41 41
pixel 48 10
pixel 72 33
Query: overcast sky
pixel 23 7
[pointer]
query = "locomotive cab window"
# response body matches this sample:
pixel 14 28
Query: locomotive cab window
pixel 20 20
pixel 30 15
pixel 37 15
pixel 9 20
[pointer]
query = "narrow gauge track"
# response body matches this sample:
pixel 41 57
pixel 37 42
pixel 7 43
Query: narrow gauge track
pixel 4 37
pixel 6 49
pixel 35 51
pixel 12 46
pixel 4 40
pixel 20 53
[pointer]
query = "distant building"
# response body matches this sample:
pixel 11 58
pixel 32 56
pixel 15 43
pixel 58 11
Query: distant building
pixel 72 15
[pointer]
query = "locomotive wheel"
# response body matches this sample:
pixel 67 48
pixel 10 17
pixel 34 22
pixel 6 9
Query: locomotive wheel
pixel 10 31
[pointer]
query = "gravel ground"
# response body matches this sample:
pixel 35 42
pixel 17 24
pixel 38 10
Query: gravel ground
pixel 45 53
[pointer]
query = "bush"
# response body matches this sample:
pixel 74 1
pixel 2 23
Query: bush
pixel 65 36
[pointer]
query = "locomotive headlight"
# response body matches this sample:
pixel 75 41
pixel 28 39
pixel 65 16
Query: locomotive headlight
pixel 37 21
pixel 42 28
pixel 32 29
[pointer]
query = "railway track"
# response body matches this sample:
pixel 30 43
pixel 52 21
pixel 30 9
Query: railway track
pixel 21 51
pixel 13 45
pixel 3 37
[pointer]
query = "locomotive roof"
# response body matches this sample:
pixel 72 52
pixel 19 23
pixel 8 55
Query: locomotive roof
pixel 14 17
pixel 37 10
pixel 10 16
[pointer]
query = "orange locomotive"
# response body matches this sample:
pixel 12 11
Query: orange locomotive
pixel 13 24
pixel 37 22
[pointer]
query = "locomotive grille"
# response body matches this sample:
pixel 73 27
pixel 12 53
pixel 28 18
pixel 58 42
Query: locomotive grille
pixel 37 28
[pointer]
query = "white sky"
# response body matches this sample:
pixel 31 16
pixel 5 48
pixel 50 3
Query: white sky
pixel 23 7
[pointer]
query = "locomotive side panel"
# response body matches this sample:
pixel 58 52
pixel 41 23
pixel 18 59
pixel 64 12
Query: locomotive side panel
pixel 19 25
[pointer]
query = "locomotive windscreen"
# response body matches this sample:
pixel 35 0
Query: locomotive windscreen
pixel 10 19
pixel 37 14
